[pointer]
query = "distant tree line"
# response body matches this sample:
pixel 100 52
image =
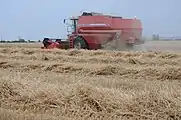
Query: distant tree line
pixel 20 41
pixel 158 37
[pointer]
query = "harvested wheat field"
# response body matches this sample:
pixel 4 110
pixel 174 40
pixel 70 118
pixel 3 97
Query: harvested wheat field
pixel 73 85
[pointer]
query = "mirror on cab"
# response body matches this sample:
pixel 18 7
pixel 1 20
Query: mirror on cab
pixel 67 21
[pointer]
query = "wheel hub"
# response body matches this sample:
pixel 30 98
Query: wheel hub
pixel 77 45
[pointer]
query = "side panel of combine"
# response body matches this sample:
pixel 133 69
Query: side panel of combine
pixel 130 27
pixel 97 30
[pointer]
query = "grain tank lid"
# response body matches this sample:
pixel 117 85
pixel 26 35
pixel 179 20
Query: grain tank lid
pixel 91 14
pixel 98 14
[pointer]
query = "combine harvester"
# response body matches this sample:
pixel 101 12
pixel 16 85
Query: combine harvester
pixel 94 31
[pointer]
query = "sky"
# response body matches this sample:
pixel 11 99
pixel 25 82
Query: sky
pixel 36 19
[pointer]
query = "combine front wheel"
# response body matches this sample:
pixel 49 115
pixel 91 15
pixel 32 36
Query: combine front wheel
pixel 79 43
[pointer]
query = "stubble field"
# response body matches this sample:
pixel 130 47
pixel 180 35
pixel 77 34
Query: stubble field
pixel 78 84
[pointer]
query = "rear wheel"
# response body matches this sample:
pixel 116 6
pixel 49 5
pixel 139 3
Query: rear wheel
pixel 79 43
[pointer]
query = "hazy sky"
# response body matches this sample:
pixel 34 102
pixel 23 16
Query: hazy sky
pixel 36 19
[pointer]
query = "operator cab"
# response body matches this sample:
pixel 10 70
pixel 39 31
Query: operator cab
pixel 71 25
pixel 73 21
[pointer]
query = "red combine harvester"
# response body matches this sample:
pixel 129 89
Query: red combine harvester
pixel 95 30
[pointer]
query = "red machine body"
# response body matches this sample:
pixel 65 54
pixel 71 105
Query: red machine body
pixel 92 30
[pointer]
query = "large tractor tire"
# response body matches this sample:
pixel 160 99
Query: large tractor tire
pixel 80 43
